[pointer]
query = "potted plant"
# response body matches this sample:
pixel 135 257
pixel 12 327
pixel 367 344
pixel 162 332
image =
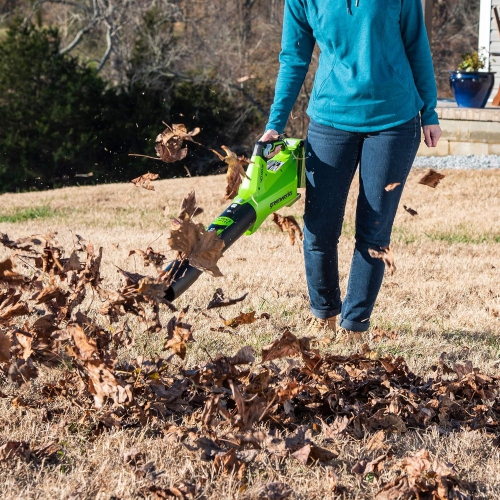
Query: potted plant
pixel 471 84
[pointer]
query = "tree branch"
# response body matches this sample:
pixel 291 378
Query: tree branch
pixel 83 31
pixel 109 41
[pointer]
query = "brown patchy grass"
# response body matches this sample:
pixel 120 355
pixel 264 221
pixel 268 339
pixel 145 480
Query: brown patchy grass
pixel 442 298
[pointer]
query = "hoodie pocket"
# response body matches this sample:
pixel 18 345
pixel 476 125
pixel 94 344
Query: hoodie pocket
pixel 393 50
pixel 323 75
pixel 317 93
pixel 403 80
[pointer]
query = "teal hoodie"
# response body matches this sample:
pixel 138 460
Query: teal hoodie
pixel 375 68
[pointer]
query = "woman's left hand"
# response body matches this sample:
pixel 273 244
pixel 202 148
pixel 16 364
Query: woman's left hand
pixel 432 133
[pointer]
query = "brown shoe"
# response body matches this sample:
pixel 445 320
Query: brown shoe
pixel 320 325
pixel 348 336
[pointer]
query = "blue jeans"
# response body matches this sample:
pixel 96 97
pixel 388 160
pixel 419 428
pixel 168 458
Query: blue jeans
pixel 332 156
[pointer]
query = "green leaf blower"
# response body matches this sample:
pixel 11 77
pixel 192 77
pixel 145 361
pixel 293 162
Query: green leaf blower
pixel 271 184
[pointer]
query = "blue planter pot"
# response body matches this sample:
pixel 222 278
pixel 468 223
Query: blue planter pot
pixel 471 90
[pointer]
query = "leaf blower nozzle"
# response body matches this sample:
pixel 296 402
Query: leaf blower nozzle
pixel 234 222
pixel 270 184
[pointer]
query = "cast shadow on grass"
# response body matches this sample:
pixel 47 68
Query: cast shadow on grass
pixel 462 337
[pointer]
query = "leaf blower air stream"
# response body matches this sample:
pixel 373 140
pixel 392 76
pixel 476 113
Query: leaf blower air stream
pixel 270 184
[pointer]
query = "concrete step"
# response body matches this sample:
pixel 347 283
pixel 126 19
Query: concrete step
pixel 466 131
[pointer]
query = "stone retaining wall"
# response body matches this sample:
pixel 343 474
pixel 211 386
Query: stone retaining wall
pixel 466 131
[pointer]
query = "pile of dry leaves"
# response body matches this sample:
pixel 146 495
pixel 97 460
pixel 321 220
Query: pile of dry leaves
pixel 236 409
pixel 228 398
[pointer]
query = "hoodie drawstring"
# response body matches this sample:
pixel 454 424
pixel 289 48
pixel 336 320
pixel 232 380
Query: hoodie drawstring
pixel 348 4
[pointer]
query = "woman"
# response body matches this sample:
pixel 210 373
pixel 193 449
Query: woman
pixel 373 90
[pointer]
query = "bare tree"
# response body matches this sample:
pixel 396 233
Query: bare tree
pixel 455 29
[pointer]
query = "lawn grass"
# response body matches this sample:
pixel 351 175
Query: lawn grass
pixel 442 298
pixel 29 213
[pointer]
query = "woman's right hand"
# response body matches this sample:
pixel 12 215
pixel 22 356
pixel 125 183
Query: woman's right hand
pixel 269 135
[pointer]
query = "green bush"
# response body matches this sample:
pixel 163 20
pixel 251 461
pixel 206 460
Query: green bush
pixel 59 118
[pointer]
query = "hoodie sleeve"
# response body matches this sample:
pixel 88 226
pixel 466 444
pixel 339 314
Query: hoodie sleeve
pixel 419 55
pixel 297 44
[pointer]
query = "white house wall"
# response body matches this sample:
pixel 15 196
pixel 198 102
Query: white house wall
pixel 488 28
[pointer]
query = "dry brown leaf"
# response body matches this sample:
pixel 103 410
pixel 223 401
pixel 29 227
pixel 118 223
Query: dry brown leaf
pixel 426 479
pixel 288 345
pixel 219 300
pixel 302 454
pixel 410 211
pixel 338 427
pixel 144 181
pixel 247 416
pixel 86 348
pixel 321 454
pixel 153 289
pixel 181 491
pixel 25 340
pixel 288 224
pixel 387 421
pixel 416 464
pixel 169 142
pixel 189 207
pixel 259 382
pixel 245 356
pixel 203 248
pixel 207 253
pixel 377 334
pixel 49 293
pixel 392 186
pixel 241 319
pixel 178 342
pixel 103 384
pixel 8 273
pixel 275 491
pixel 179 333
pixel 11 307
pixel 376 442
pixel 72 263
pixel 384 254
pixel 149 256
pixel 375 466
pixel 15 449
pixel 229 463
pixel 289 392
pixel 431 178
pixel 5 345
pixel 235 171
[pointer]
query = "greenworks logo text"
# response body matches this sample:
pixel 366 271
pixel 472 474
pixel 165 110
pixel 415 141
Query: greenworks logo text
pixel 279 200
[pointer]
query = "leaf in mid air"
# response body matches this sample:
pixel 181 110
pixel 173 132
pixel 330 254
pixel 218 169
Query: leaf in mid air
pixel 169 142
pixel 288 224
pixel 235 171
pixel 410 211
pixel 189 207
pixel 431 178
pixel 203 248
pixel 144 181
pixel 384 254
pixel 392 186
pixel 219 300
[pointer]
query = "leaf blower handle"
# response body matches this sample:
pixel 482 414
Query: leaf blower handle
pixel 269 144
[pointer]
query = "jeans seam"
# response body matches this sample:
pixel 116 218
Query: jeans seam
pixel 345 195
pixel 349 281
